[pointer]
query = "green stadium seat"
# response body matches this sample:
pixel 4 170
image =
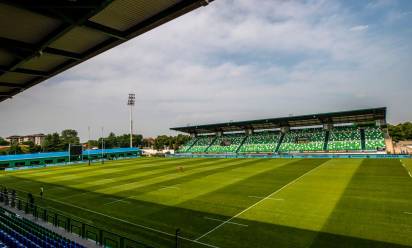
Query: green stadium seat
pixel 374 139
pixel 345 139
pixel 201 144
pixel 228 143
pixel 260 142
pixel 185 148
pixel 303 140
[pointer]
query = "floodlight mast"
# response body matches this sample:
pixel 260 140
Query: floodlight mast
pixel 131 102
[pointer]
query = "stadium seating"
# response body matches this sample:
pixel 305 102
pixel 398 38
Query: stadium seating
pixel 374 139
pixel 201 144
pixel 226 143
pixel 260 142
pixel 303 140
pixel 187 146
pixel 344 139
pixel 19 232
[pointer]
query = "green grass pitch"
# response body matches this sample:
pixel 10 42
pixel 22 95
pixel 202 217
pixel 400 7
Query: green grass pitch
pixel 236 202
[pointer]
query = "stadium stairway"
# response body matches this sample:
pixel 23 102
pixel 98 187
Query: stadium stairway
pixel 211 143
pixel 280 142
pixel 325 146
pixel 241 144
pixel 190 147
pixel 363 142
pixel 24 230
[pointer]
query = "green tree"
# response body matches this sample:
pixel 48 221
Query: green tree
pixel 402 131
pixel 32 148
pixel 111 141
pixel 3 142
pixel 163 141
pixel 171 142
pixel 180 140
pixel 93 143
pixel 68 136
pixel 148 142
pixel 124 140
pixel 15 149
pixel 51 142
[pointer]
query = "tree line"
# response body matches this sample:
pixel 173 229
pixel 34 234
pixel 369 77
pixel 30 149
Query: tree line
pixel 60 142
pixel 402 131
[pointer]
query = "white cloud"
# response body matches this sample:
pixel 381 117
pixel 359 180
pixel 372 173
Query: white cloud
pixel 232 60
pixel 359 28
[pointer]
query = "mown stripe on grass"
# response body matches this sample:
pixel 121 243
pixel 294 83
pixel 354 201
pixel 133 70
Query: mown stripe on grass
pixel 309 202
pixel 277 190
pixel 370 211
pixel 78 183
pixel 51 172
pixel 90 176
pixel 142 187
pixel 85 179
pixel 229 200
pixel 204 185
pixel 76 167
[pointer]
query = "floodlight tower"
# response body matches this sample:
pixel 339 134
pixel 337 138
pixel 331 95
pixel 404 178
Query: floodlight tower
pixel 130 103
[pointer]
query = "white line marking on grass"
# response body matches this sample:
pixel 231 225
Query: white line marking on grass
pixel 256 203
pixel 130 223
pixel 269 198
pixel 168 187
pixel 230 222
pixel 151 165
pixel 406 168
pixel 74 195
pixel 407 212
pixel 119 200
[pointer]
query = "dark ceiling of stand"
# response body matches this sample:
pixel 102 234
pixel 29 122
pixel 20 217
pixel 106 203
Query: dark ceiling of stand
pixel 39 39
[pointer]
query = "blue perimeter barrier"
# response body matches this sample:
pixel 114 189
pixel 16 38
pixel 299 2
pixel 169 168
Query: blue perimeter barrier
pixel 96 154
pixel 64 154
pixel 189 155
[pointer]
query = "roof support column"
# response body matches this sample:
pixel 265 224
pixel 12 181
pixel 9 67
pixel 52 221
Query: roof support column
pixel 284 129
pixel 327 126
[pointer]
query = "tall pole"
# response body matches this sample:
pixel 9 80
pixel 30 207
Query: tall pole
pixel 102 146
pixel 130 102
pixel 131 126
pixel 88 145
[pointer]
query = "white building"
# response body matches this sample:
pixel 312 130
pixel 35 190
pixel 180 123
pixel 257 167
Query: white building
pixel 37 139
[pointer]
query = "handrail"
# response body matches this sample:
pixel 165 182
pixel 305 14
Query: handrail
pixel 76 226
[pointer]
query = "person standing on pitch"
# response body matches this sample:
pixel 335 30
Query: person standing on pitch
pixel 41 192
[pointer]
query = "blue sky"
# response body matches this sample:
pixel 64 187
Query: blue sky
pixel 234 60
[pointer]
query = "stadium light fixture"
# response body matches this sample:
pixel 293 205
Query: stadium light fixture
pixel 130 102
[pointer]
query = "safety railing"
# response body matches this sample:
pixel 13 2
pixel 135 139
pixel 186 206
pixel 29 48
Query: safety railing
pixel 96 234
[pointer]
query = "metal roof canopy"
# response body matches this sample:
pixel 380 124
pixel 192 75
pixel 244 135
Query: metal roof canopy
pixel 39 39
pixel 354 116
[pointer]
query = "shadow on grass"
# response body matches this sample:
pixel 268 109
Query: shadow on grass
pixel 129 219
pixel 372 204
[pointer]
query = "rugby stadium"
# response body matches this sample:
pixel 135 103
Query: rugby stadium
pixel 307 181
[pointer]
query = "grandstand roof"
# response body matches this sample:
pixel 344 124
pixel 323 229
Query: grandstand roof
pixel 39 39
pixel 353 116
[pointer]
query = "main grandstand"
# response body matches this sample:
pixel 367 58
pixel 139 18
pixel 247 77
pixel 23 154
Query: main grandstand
pixel 356 131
